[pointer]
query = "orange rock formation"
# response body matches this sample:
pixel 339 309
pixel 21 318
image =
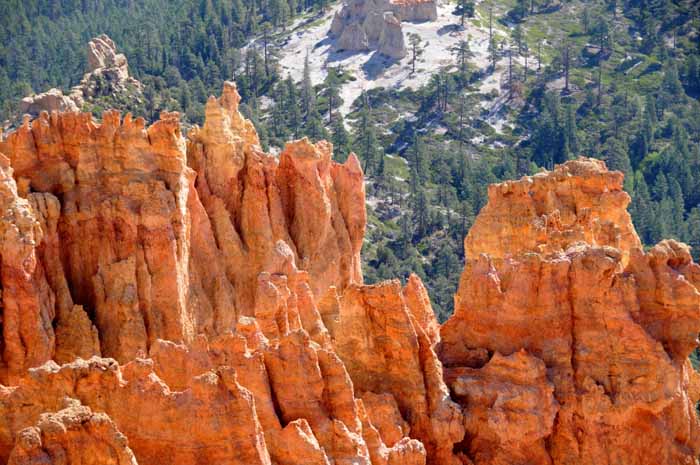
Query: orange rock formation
pixel 196 300
pixel 556 284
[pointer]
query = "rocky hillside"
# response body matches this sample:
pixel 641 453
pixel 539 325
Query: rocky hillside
pixel 107 83
pixel 197 300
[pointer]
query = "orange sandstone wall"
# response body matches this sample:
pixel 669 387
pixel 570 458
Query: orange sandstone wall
pixel 569 344
pixel 192 290
pixel 196 300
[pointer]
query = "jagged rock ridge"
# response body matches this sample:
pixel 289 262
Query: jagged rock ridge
pixel 108 74
pixel 196 300
pixel 213 276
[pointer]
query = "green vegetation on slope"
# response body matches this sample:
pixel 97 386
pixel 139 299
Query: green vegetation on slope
pixel 181 50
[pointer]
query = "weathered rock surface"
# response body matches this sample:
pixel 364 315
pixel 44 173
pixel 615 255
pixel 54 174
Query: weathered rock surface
pixel 611 325
pixel 108 74
pixel 208 269
pixel 51 100
pixel 301 210
pixel 414 10
pixel 223 287
pixel 386 350
pixel 362 25
pixel 28 303
pixel 579 201
pixel 213 420
pixel 391 42
pixel 509 409
pixel 71 436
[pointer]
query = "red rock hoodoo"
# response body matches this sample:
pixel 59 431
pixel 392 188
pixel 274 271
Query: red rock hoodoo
pixel 569 344
pixel 187 300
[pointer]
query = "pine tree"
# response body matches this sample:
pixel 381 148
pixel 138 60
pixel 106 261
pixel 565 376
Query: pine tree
pixel 279 12
pixel 332 94
pixel 292 108
pixel 314 127
pixel 586 19
pixel 492 48
pixel 641 208
pixel 266 28
pixel 462 8
pixel 278 115
pixel 419 161
pixel 616 157
pixel 466 213
pixel 340 138
pixel 517 36
pixel 567 64
pixel 692 231
pixel 381 165
pixel 571 136
pixel 677 209
pixel 416 50
pixel 366 139
pixel 460 137
pixel 421 213
pixel 308 95
pixel 671 83
pixel 462 53
pixel 526 55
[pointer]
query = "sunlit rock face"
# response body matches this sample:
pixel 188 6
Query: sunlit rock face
pixel 556 285
pixel 579 201
pixel 414 10
pixel 189 300
pixel 209 276
pixel 363 25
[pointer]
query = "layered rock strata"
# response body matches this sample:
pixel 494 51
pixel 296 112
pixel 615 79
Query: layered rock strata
pixel 414 10
pixel 72 435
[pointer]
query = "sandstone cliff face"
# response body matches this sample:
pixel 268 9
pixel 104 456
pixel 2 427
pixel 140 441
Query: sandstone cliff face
pixel 386 350
pixel 196 300
pixel 212 274
pixel 72 435
pixel 579 201
pixel 575 298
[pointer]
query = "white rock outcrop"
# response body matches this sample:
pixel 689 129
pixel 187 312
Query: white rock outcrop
pixel 51 100
pixel 362 25
pixel 415 10
pixel 391 41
